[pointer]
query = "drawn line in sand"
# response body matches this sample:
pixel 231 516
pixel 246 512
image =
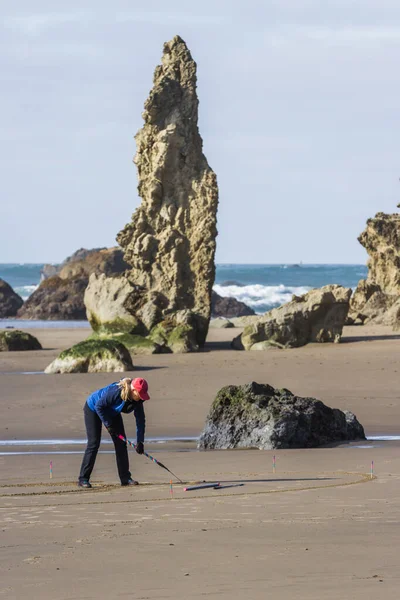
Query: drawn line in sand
pixel 363 478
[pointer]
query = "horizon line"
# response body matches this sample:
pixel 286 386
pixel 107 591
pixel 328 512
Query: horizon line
pixel 291 263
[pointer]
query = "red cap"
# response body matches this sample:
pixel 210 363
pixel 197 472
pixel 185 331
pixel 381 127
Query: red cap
pixel 141 386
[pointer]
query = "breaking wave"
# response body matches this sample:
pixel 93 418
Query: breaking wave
pixel 261 297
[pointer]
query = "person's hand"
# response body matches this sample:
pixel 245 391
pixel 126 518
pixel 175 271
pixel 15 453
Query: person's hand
pixel 139 448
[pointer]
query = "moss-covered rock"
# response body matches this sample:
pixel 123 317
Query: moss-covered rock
pixel 114 326
pixel 259 416
pixel 92 356
pixel 181 339
pixel 136 344
pixel 18 340
pixel 174 338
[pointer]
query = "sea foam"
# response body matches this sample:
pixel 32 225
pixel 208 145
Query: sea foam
pixel 261 297
pixel 25 290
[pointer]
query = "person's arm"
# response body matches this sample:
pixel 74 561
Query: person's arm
pixel 103 406
pixel 140 422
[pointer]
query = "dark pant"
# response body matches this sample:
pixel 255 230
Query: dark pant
pixel 93 429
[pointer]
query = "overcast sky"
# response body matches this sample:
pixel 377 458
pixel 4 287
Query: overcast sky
pixel 299 113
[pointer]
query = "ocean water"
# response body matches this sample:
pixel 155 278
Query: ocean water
pixel 266 286
pixel 23 278
pixel 261 287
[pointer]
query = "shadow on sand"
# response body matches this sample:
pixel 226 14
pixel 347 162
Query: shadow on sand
pixel 368 338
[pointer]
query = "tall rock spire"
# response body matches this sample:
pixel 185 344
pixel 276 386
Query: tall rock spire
pixel 170 242
pixel 171 239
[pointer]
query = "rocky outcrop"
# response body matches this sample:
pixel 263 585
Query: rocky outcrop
pixel 229 307
pixel 170 241
pixel 92 356
pixel 49 270
pixel 15 340
pixel 109 261
pixel 377 299
pixel 60 297
pixel 56 299
pixel 259 416
pixel 381 239
pixel 317 316
pixel 10 301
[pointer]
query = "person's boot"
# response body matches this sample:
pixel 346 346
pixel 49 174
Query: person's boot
pixel 130 482
pixel 84 484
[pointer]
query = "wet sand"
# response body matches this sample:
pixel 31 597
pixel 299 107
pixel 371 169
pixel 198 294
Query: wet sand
pixel 319 526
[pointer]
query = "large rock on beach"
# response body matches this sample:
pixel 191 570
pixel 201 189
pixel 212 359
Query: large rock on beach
pixel 377 299
pixel 92 356
pixel 56 299
pixel 259 416
pixel 229 307
pixel 171 239
pixel 61 296
pixel 317 316
pixel 10 301
pixel 15 340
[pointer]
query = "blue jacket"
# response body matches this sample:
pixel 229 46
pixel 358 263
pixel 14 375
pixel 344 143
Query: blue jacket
pixel 107 403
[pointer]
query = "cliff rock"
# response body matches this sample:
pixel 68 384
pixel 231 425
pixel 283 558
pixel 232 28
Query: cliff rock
pixel 259 416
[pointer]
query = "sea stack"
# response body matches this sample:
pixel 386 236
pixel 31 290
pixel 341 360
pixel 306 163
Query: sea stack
pixel 376 298
pixel 170 241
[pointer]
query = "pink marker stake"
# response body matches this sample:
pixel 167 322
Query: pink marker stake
pixel 170 489
pixel 51 469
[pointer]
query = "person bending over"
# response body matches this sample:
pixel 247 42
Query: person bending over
pixel 105 406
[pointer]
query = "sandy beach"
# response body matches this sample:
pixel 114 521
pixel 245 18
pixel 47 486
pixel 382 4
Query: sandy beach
pixel 319 527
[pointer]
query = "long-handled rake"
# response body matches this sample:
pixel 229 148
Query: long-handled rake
pixel 160 464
